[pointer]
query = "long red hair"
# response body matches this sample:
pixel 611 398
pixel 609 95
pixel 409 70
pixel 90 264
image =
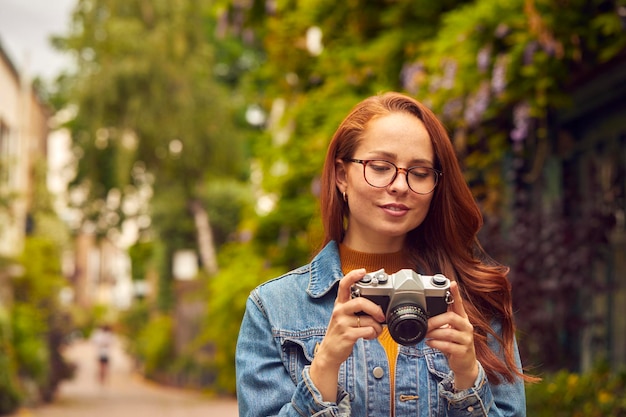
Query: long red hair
pixel 446 242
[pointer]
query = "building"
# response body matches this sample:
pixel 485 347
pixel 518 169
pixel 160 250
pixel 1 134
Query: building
pixel 23 144
pixel 23 138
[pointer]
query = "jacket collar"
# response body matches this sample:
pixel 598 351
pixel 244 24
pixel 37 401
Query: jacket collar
pixel 325 271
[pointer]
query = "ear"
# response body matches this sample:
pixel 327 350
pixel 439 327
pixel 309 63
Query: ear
pixel 341 177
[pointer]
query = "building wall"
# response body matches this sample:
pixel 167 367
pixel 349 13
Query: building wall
pixel 23 137
pixel 23 134
pixel 99 270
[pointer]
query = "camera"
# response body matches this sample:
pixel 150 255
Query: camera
pixel 408 299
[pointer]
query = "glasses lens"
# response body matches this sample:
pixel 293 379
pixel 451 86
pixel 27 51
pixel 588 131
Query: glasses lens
pixel 379 173
pixel 422 180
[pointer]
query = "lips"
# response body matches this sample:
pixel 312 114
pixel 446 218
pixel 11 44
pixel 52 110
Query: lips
pixel 395 209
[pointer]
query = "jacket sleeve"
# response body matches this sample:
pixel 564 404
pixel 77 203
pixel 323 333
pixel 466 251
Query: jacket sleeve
pixel 264 387
pixel 484 398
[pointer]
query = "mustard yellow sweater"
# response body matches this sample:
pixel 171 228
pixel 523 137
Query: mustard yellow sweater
pixel 392 262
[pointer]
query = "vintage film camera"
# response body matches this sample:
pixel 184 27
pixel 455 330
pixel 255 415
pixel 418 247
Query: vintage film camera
pixel 408 299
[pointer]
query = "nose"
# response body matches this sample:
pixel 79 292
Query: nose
pixel 401 182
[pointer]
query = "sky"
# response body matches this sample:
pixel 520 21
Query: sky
pixel 25 28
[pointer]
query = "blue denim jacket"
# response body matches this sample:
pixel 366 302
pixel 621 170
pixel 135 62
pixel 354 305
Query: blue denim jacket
pixel 286 319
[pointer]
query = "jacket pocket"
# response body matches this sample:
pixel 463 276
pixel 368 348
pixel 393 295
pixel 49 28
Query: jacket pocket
pixel 437 364
pixel 298 352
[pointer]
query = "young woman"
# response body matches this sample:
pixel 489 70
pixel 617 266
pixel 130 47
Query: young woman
pixel 393 197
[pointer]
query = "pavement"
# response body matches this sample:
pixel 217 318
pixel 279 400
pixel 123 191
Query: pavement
pixel 124 394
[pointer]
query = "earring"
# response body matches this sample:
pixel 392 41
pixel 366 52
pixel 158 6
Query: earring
pixel 345 197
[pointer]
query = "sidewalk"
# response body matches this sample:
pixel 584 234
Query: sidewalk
pixel 125 394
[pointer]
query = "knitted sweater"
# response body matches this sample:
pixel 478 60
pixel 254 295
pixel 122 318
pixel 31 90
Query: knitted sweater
pixel 392 263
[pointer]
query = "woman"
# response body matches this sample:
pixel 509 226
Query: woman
pixel 102 339
pixel 393 197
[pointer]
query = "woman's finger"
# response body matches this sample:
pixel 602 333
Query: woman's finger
pixel 344 293
pixel 457 305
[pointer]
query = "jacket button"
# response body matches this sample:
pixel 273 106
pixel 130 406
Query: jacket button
pixel 378 372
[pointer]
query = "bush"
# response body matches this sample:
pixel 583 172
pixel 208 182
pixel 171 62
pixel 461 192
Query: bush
pixel 227 295
pixel 39 324
pixel 154 345
pixel 29 341
pixel 10 396
pixel 597 393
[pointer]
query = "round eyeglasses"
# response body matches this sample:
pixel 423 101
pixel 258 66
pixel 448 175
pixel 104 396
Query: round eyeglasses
pixel 380 174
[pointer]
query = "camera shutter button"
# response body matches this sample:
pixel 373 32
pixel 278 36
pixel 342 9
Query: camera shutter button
pixel 366 279
pixel 439 280
pixel 378 372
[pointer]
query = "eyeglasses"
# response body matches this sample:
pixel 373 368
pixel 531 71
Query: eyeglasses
pixel 380 174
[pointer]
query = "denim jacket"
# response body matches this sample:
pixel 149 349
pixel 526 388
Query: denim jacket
pixel 286 319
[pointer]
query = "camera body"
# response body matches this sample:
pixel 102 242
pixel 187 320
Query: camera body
pixel 407 299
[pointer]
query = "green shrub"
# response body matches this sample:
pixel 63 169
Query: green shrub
pixel 132 321
pixel 227 295
pixel 10 395
pixel 29 340
pixel 597 393
pixel 154 345
pixel 39 323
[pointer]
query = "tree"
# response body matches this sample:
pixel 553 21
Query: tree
pixel 152 123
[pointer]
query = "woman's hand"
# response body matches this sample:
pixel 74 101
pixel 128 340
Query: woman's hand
pixel 344 329
pixel 453 334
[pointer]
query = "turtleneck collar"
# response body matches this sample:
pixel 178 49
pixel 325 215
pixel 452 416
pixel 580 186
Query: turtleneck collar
pixel 391 262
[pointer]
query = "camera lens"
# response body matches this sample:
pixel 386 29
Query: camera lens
pixel 407 323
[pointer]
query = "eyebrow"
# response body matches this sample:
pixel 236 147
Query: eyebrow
pixel 393 156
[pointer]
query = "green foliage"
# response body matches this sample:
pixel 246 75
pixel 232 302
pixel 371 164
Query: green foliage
pixel 307 94
pixel 33 326
pixel 150 112
pixel 42 279
pixel 597 393
pixel 149 338
pixel 29 340
pixel 85 320
pixel 10 392
pixel 141 258
pixel 39 324
pixel 154 346
pixel 46 221
pixel 283 235
pixel 516 64
pixel 495 71
pixel 228 291
pixel 226 202
pixel 132 321
pixel 154 125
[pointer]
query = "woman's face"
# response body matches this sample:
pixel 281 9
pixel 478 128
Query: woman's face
pixel 380 218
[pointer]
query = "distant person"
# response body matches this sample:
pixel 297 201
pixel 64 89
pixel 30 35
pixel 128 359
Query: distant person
pixel 393 197
pixel 102 339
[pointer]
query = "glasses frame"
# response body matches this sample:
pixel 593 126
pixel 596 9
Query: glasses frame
pixel 364 162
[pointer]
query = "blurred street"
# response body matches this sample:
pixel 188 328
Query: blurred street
pixel 126 394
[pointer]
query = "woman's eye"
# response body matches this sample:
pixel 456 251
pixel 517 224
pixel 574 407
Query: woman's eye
pixel 420 173
pixel 380 167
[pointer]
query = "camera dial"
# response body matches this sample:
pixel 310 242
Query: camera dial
pixel 439 280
